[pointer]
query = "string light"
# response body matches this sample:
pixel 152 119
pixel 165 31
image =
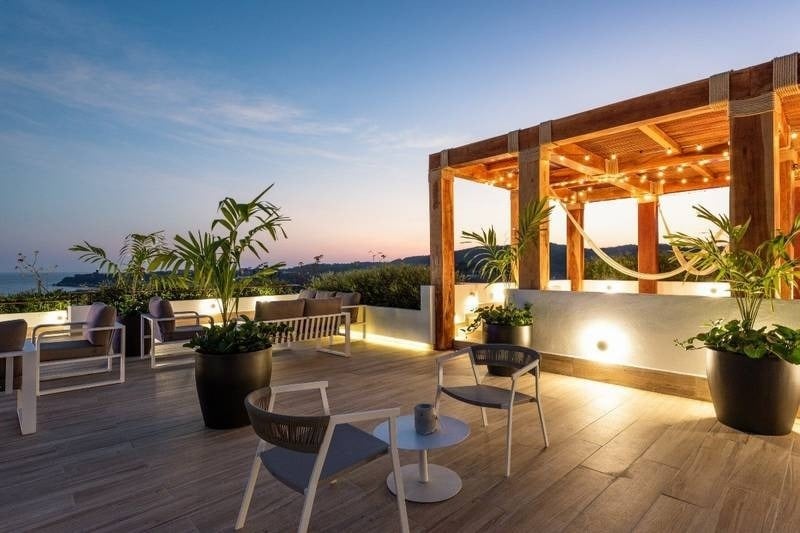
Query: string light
pixel 699 147
pixel 589 188
pixel 660 173
pixel 669 151
pixel 586 157
pixel 726 154
pixel 728 177
pixel 642 178
pixel 683 181
pixel 680 169
pixel 793 135
pixel 561 158
pixel 613 157
pixel 662 181
pixel 705 179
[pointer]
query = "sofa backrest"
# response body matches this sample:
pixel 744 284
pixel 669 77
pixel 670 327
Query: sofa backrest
pixel 280 309
pixel 12 336
pixel 323 306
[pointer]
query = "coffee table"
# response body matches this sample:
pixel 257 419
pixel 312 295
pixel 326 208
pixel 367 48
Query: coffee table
pixel 424 482
pixel 26 396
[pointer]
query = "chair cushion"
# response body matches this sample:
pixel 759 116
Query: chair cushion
pixel 350 298
pixel 486 396
pixel 280 309
pixel 12 339
pixel 327 306
pixel 323 295
pixel 349 447
pixel 307 293
pixel 100 316
pixel 182 333
pixel 75 349
pixel 161 308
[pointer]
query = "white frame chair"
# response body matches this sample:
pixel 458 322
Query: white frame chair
pixel 315 327
pixel 361 319
pixel 153 323
pixel 390 414
pixel 532 367
pixel 109 357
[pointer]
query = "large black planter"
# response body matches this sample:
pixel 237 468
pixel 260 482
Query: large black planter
pixel 517 335
pixel 223 381
pixel 753 395
pixel 133 336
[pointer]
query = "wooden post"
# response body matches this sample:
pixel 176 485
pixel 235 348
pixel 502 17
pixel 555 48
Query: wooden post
pixel 648 244
pixel 442 256
pixel 754 163
pixel 514 215
pixel 534 183
pixel 575 248
pixel 795 214
pixel 786 196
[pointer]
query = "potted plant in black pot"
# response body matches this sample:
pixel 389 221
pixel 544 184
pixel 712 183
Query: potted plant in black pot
pixel 753 372
pixel 232 358
pixel 129 285
pixel 496 263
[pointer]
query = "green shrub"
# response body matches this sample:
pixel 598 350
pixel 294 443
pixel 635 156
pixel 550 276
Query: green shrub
pixel 31 302
pixel 383 286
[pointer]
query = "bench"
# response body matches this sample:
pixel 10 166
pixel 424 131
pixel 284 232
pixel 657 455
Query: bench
pixel 310 320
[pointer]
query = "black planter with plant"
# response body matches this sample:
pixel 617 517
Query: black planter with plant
pixel 504 324
pixel 232 359
pixel 753 372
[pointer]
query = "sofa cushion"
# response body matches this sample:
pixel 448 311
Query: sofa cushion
pixel 350 298
pixel 12 339
pixel 324 295
pixel 161 308
pixel 280 309
pixel 100 316
pixel 326 306
pixel 307 294
pixel 74 349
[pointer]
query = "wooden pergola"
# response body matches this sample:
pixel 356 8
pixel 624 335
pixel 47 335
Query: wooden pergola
pixel 735 129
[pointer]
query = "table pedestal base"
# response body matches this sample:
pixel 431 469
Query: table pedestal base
pixel 442 483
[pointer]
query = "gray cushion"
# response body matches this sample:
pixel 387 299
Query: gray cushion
pixel 100 316
pixel 12 339
pixel 307 293
pixel 327 306
pixel 350 298
pixel 280 309
pixel 323 295
pixel 161 308
pixel 486 396
pixel 75 349
pixel 349 447
pixel 183 333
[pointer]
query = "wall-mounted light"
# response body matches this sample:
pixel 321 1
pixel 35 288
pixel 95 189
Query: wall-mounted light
pixel 471 303
pixel 604 341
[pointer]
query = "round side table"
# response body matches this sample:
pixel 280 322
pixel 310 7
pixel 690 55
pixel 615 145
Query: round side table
pixel 424 482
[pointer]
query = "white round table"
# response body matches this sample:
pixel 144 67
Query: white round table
pixel 423 482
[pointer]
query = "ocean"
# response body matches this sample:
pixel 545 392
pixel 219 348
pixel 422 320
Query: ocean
pixel 14 282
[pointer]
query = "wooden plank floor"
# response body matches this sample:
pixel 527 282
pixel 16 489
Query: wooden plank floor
pixel 137 457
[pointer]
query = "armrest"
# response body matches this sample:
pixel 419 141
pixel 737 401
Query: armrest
pixel 442 359
pixel 312 385
pixel 45 334
pixel 360 416
pixel 524 370
pixel 62 325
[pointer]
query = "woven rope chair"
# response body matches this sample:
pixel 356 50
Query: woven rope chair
pixel 307 449
pixel 518 358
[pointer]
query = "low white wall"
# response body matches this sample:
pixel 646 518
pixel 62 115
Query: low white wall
pixel 35 319
pixel 687 288
pixel 634 329
pixel 414 325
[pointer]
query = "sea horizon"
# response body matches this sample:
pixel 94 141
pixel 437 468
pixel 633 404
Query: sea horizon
pixel 15 282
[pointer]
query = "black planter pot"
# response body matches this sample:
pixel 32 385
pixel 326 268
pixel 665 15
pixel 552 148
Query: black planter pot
pixel 223 381
pixel 133 334
pixel 753 395
pixel 496 334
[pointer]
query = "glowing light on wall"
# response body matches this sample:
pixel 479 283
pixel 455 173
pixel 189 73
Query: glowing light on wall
pixel 471 303
pixel 604 341
pixel 498 292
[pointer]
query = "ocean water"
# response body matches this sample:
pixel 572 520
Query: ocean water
pixel 14 282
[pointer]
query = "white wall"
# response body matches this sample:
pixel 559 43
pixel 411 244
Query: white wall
pixel 633 329
pixel 35 319
pixel 688 288
pixel 407 324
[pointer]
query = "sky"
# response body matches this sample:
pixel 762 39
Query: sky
pixel 120 117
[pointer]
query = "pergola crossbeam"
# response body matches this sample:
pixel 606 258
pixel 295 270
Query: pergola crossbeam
pixel 657 135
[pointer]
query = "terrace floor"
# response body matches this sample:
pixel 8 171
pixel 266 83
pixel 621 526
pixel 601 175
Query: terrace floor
pixel 137 457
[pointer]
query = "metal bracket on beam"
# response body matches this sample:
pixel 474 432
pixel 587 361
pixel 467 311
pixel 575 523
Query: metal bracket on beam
pixel 719 88
pixel 546 133
pixel 444 159
pixel 784 75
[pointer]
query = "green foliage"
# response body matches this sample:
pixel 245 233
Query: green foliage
pixel 212 261
pixel 386 285
pixel 32 302
pixel 754 276
pixel 231 338
pixel 502 315
pixel 500 263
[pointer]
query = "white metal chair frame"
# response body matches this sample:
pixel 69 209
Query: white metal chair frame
pixel 316 327
pixel 109 356
pixel 390 414
pixel 153 323
pixel 534 366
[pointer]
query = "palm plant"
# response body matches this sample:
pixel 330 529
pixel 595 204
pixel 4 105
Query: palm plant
pixel 500 263
pixel 754 276
pixel 212 260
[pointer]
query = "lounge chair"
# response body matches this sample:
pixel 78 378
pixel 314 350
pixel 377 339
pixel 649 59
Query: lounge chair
pixel 161 327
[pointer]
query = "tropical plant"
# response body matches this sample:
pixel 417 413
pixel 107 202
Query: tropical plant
pixel 129 273
pixel 212 260
pixel 754 276
pixel 500 263
pixel 501 315
pixel 231 338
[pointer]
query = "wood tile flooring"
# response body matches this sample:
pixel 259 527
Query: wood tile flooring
pixel 137 457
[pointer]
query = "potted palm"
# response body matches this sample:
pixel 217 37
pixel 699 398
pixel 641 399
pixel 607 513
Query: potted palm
pixel 753 371
pixel 130 285
pixel 232 358
pixel 496 263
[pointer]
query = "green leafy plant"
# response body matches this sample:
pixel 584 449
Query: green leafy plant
pixel 501 315
pixel 386 285
pixel 232 338
pixel 753 276
pixel 500 263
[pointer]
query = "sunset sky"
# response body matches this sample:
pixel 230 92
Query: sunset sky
pixel 119 117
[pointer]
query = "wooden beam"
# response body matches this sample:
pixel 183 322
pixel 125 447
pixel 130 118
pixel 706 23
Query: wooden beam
pixel 648 243
pixel 534 184
pixel 701 170
pixel 662 139
pixel 655 161
pixel 442 250
pixel 575 248
pixel 583 168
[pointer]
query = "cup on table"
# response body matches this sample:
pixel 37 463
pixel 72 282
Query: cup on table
pixel 426 419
